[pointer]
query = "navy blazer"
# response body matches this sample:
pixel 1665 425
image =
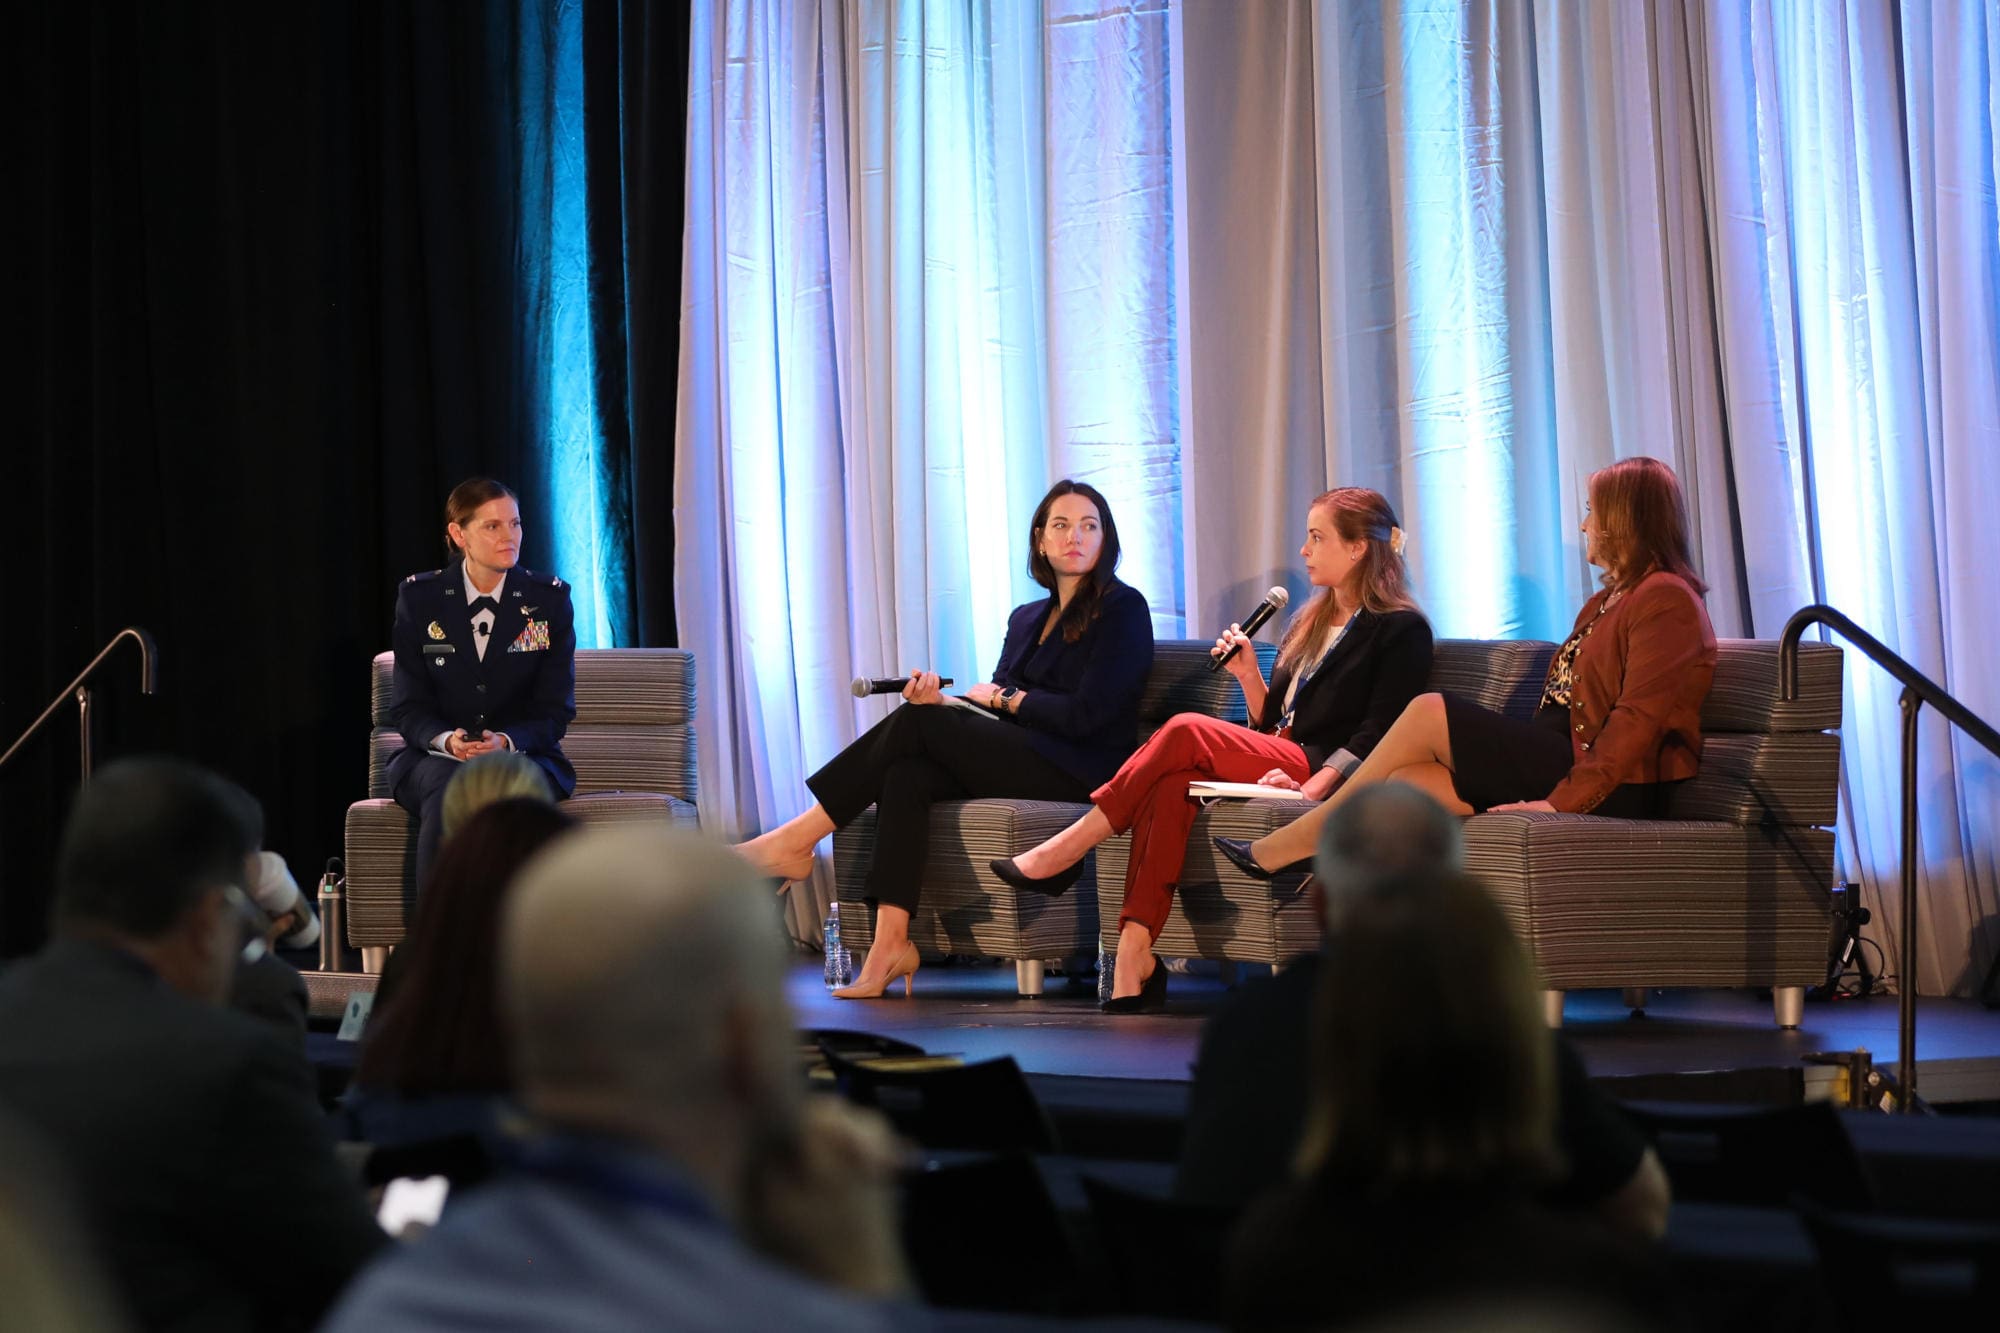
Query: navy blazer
pixel 1379 665
pixel 525 686
pixel 1082 705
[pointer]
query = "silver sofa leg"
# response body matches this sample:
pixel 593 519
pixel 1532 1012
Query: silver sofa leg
pixel 1634 997
pixel 372 959
pixel 1028 976
pixel 1552 1008
pixel 1788 1003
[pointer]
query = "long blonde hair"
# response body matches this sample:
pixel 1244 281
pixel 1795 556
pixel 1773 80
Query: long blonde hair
pixel 497 775
pixel 1358 514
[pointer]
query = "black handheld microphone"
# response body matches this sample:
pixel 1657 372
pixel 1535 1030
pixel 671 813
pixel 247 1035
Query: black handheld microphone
pixel 1274 602
pixel 863 687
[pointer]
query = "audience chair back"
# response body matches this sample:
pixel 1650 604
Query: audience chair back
pixel 1907 1272
pixel 1763 1157
pixel 986 1235
pixel 987 1106
pixel 1165 1256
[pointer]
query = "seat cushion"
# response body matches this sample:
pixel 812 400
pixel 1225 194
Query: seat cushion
pixel 1617 902
pixel 966 908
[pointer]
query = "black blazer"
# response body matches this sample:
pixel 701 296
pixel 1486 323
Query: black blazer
pixel 1082 709
pixel 1379 665
pixel 192 1139
pixel 525 685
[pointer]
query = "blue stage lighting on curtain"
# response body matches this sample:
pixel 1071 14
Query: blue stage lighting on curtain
pixel 555 275
pixel 1459 431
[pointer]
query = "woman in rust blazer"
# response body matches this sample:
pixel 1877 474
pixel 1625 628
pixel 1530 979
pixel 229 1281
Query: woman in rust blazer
pixel 1620 716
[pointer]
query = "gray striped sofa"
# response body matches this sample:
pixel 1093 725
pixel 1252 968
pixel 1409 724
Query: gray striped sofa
pixel 1733 890
pixel 966 909
pixel 632 743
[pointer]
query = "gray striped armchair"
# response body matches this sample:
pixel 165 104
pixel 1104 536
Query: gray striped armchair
pixel 966 909
pixel 1732 890
pixel 632 743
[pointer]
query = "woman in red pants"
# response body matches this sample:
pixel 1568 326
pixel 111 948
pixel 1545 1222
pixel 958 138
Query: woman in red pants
pixel 1349 663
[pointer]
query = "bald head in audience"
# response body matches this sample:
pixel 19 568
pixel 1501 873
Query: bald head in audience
pixel 1381 833
pixel 643 976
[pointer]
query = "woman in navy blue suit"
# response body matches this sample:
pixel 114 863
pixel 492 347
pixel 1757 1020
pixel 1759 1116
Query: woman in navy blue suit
pixel 1066 698
pixel 485 661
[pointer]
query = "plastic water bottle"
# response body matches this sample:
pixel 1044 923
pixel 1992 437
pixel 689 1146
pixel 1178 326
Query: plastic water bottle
pixel 837 961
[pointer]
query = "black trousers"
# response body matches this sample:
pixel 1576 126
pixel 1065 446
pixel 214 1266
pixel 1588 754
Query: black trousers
pixel 420 790
pixel 919 755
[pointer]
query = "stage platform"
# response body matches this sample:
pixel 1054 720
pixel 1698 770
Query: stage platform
pixel 1690 1045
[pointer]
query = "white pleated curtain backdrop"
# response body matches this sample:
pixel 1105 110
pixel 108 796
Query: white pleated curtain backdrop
pixel 1218 256
pixel 924 278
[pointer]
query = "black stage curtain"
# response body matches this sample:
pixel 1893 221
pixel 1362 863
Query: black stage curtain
pixel 275 313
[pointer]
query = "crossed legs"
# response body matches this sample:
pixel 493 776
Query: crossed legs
pixel 1416 750
pixel 1149 796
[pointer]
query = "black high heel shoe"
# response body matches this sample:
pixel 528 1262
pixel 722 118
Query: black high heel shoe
pixel 1239 854
pixel 1053 885
pixel 1152 996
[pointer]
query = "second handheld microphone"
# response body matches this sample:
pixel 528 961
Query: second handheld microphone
pixel 1274 602
pixel 863 686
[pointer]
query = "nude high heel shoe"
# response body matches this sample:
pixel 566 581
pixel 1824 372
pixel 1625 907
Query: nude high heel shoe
pixel 906 968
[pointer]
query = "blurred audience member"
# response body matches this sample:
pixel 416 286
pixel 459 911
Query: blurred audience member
pixel 433 1062
pixel 202 1168
pixel 1430 1126
pixel 1249 1096
pixel 266 986
pixel 642 977
pixel 500 775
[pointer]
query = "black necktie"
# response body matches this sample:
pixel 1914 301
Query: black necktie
pixel 478 604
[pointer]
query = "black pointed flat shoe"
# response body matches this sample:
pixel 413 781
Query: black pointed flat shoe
pixel 1152 996
pixel 1053 885
pixel 1240 856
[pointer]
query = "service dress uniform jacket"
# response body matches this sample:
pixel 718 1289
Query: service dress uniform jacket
pixel 525 686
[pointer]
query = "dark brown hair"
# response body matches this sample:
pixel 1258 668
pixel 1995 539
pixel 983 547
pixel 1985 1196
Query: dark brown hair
pixel 1641 523
pixel 464 501
pixel 1430 1063
pixel 1088 600
pixel 439 1031
pixel 1358 514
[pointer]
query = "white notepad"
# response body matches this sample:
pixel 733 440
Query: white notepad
pixel 1242 791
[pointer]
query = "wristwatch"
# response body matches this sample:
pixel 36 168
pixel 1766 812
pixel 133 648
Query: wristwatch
pixel 1006 695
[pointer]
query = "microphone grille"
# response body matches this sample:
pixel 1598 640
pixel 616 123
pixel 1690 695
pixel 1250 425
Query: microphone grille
pixel 860 687
pixel 1278 597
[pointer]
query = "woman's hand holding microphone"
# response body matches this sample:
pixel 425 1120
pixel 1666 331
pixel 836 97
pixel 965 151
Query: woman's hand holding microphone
pixel 1244 664
pixel 924 688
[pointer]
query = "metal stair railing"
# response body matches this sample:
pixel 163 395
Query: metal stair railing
pixel 1918 690
pixel 79 689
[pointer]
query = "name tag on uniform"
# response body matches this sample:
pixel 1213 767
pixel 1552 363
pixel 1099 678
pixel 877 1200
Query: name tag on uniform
pixel 438 649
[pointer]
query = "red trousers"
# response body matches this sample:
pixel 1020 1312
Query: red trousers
pixel 1149 796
